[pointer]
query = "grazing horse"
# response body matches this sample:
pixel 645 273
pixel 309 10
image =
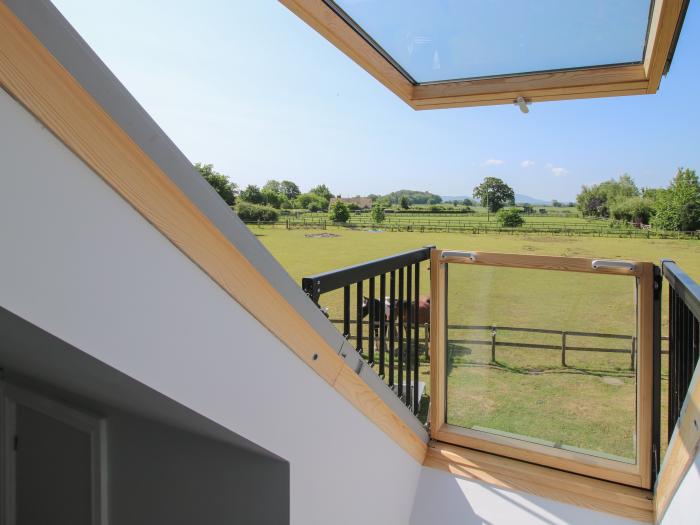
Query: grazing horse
pixel 423 315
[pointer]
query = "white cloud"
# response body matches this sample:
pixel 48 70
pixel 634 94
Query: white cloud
pixel 557 171
pixel 493 162
pixel 527 163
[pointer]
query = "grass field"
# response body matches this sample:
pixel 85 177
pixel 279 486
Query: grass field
pixel 588 404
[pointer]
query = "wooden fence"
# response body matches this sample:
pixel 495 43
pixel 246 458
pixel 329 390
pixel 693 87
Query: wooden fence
pixel 564 346
pixel 482 228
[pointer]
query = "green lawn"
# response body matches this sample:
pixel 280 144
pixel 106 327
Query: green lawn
pixel 589 404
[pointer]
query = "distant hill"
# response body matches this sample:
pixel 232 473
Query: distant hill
pixel 518 198
pixel 414 197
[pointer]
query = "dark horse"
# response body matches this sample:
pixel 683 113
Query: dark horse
pixel 384 308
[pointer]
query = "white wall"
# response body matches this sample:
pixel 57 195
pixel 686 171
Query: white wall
pixel 80 263
pixel 683 509
pixel 445 499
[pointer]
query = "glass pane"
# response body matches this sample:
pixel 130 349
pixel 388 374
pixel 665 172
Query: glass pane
pixel 543 356
pixel 442 40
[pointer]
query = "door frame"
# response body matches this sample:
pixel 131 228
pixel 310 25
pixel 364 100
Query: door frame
pixel 93 425
pixel 638 474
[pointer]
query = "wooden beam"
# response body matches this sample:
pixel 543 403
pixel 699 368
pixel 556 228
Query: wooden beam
pixel 30 74
pixel 510 474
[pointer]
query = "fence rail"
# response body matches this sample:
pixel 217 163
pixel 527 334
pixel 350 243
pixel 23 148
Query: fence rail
pixel 482 228
pixel 684 336
pixel 399 280
pixel 564 347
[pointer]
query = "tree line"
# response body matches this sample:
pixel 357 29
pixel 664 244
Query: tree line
pixel 673 208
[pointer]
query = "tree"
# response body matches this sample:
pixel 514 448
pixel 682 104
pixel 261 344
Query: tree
pixel 289 189
pixel 527 208
pixel 252 194
pixel 339 212
pixel 510 218
pixel 220 182
pixel 323 191
pixel 468 202
pixel 597 200
pixel 272 198
pixel 403 202
pixel 557 204
pixel 311 202
pixel 494 193
pixel 272 186
pixel 678 207
pixel 378 211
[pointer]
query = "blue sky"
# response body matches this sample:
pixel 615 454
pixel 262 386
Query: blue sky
pixel 250 88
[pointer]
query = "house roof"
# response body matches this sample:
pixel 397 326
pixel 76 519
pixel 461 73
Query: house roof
pixel 362 202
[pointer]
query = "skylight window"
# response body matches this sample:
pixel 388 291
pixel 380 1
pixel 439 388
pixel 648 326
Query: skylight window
pixel 454 53
pixel 447 40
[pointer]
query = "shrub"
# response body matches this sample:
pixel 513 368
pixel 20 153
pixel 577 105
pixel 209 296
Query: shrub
pixel 509 217
pixel 378 212
pixel 339 212
pixel 634 209
pixel 254 212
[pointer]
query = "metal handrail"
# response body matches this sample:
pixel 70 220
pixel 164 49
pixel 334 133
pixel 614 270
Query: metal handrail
pixel 318 284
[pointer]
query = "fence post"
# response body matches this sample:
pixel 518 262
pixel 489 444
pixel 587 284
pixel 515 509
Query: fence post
pixel 563 349
pixel 493 344
pixel 633 353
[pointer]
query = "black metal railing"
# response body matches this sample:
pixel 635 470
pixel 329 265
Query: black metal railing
pixel 683 336
pixel 390 312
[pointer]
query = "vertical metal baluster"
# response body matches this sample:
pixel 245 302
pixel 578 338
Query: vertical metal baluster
pixel 370 325
pixel 687 348
pixel 671 359
pixel 358 320
pixel 401 323
pixel 346 312
pixel 382 323
pixel 409 319
pixel 683 357
pixel 392 324
pixel 696 342
pixel 416 338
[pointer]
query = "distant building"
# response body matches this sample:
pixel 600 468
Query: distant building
pixel 361 202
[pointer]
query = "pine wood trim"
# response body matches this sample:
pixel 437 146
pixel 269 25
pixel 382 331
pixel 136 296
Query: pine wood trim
pixel 30 74
pixel 682 449
pixel 594 82
pixel 511 474
pixel 635 474
pixel 664 21
pixel 325 21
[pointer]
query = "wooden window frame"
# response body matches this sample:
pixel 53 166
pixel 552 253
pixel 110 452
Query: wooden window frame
pixel 637 474
pixel 636 79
